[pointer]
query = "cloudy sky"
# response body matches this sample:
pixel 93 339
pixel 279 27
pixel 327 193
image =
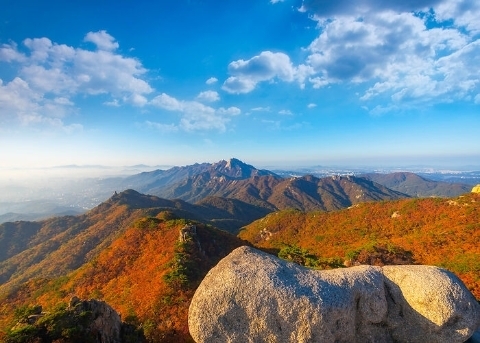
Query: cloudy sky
pixel 272 82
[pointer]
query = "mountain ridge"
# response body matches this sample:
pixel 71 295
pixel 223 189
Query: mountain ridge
pixel 416 185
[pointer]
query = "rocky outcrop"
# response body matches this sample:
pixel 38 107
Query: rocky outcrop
pixel 251 296
pixel 476 189
pixel 105 324
pixel 82 321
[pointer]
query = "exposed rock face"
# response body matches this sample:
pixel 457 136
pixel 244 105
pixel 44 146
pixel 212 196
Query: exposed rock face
pixel 251 296
pixel 106 324
pixel 82 321
pixel 476 189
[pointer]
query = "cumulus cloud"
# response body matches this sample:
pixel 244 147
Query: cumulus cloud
pixel 239 85
pixel 211 81
pixel 264 67
pixel 102 40
pixel 311 105
pixel 50 76
pixel 405 52
pixel 195 116
pixel 328 9
pixel 9 53
pixel 409 59
pixel 208 96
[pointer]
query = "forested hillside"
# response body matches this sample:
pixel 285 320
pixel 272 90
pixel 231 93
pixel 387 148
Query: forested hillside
pixel 148 274
pixel 435 231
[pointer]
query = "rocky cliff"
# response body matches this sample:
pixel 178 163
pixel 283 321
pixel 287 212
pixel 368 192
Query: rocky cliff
pixel 82 321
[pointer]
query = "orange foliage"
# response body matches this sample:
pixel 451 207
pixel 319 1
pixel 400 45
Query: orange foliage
pixel 442 232
pixel 129 276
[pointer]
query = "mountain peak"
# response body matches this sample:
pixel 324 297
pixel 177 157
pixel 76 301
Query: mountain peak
pixel 233 162
pixel 234 168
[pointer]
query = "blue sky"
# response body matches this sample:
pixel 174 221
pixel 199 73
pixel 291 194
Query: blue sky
pixel 274 83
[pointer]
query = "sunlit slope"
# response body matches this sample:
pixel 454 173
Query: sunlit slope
pixel 148 274
pixel 437 231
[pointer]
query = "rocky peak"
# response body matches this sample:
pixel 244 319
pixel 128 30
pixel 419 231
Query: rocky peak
pixel 82 321
pixel 236 169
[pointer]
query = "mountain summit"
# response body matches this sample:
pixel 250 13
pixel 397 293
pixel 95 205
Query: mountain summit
pixel 237 169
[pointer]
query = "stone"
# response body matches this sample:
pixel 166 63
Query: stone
pixel 251 296
pixel 476 189
pixel 431 301
pixel 106 324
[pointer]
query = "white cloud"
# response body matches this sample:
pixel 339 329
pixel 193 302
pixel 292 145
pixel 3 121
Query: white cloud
pixel 211 81
pixel 238 85
pixel 167 102
pixel 231 111
pixel 311 105
pixel 276 1
pixel 261 109
pixel 208 96
pixel 50 76
pixel 386 42
pixel 464 13
pixel 196 116
pixel 18 98
pixel 102 40
pixel 137 100
pixel 406 52
pixel 329 9
pixel 285 112
pixel 166 128
pixel 113 103
pixel 9 53
pixel 264 67
pixel 18 102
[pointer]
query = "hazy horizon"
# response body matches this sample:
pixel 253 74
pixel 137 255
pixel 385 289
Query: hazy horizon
pixel 19 174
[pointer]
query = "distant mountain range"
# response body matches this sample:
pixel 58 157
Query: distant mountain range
pixel 234 179
pixel 418 186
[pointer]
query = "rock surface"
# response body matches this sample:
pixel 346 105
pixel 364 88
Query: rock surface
pixel 82 321
pixel 251 296
pixel 105 325
pixel 476 189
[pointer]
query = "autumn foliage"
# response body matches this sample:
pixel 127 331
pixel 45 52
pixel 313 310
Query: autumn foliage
pixel 149 271
pixel 132 276
pixel 433 231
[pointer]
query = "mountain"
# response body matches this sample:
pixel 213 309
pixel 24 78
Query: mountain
pixel 147 273
pixel 272 192
pixel 227 178
pixel 55 246
pixel 153 182
pixel 418 186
